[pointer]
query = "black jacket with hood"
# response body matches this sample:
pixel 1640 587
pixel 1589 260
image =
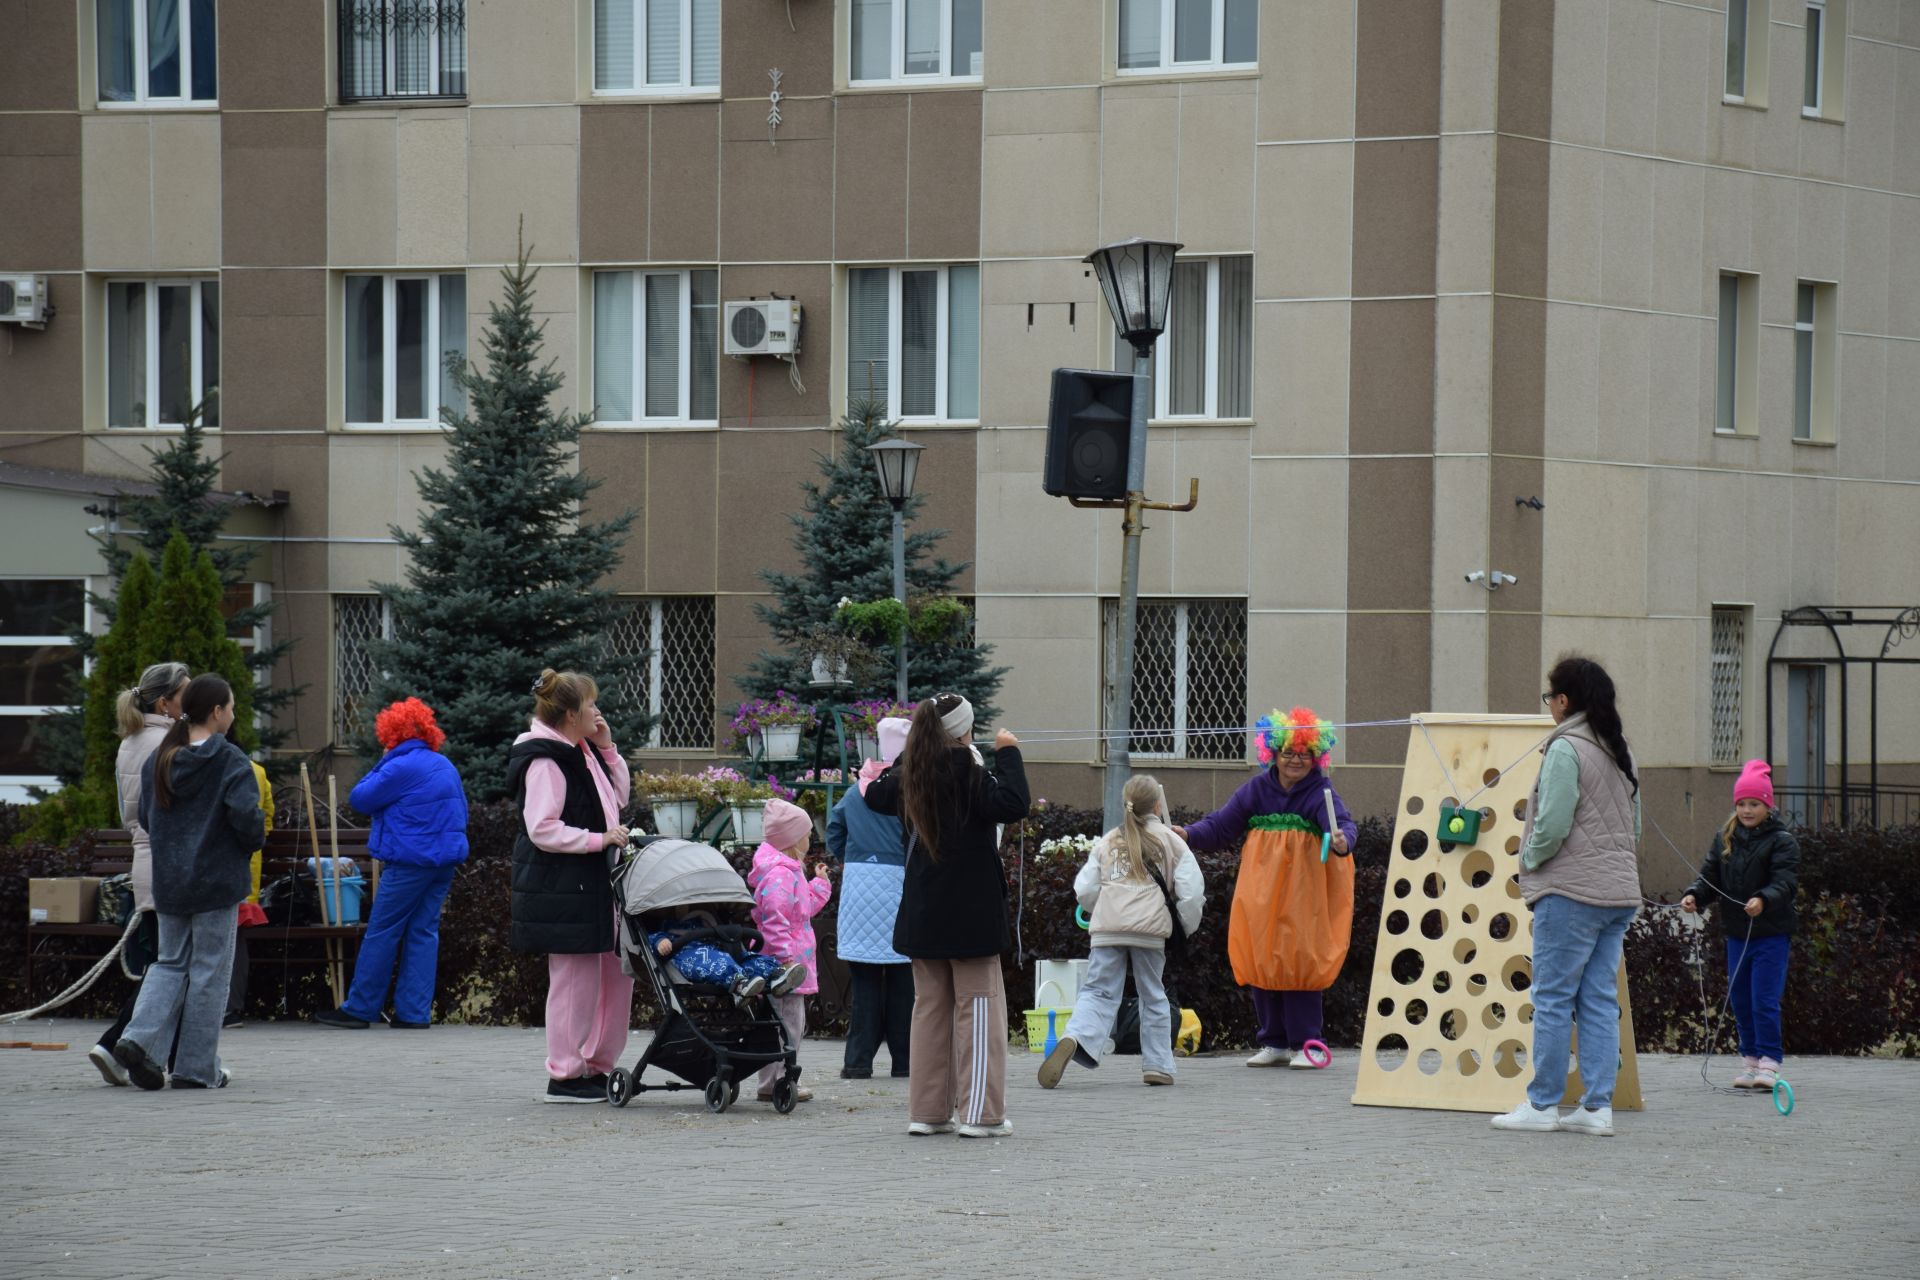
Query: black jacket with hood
pixel 1763 862
pixel 204 840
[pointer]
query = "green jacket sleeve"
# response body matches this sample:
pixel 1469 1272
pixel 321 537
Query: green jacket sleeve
pixel 1553 818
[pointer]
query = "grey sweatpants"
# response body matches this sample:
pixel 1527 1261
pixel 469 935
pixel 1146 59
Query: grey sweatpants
pixel 1098 1004
pixel 187 988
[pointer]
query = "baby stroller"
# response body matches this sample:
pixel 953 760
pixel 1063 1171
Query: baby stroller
pixel 704 1036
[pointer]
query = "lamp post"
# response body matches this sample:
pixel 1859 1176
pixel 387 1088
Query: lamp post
pixel 898 461
pixel 1136 276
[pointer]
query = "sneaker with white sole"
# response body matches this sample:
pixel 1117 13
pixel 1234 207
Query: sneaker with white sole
pixel 789 977
pixel 1527 1118
pixel 110 1069
pixel 1766 1075
pixel 746 987
pixel 1301 1062
pixel 1155 1077
pixel 1745 1080
pixel 925 1129
pixel 1056 1061
pixel 1594 1121
pixel 1002 1130
pixel 1267 1056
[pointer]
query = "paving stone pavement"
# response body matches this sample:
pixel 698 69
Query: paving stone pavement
pixel 425 1154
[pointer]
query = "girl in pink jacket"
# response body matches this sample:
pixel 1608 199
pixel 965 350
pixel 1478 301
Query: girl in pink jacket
pixel 784 905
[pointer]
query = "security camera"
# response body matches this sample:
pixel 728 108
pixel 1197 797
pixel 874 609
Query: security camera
pixel 1491 579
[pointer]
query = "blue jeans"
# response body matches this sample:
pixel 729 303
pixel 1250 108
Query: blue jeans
pixel 1756 978
pixel 705 962
pixel 404 929
pixel 1576 962
pixel 183 998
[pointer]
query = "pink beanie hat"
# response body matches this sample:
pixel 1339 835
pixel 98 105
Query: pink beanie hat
pixel 892 732
pixel 786 824
pixel 1756 783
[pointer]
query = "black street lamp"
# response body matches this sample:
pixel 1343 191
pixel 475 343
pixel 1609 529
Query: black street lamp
pixel 898 462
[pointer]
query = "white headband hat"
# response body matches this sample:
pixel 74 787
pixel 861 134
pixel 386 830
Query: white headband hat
pixel 959 722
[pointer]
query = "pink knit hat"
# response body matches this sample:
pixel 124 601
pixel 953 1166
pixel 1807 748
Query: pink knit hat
pixel 786 824
pixel 1756 783
pixel 892 732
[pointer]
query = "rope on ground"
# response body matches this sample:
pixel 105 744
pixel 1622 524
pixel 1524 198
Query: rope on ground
pixel 86 980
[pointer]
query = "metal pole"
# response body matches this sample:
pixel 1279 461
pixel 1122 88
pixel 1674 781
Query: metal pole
pixel 1120 680
pixel 900 594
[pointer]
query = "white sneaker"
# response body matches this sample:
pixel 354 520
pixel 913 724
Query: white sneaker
pixel 1267 1056
pixel 921 1129
pixel 1301 1062
pixel 1527 1118
pixel 1002 1130
pixel 1766 1075
pixel 110 1069
pixel 1597 1122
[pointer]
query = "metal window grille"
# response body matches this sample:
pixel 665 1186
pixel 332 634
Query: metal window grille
pixel 1729 663
pixel 674 635
pixel 1189 677
pixel 402 49
pixel 357 622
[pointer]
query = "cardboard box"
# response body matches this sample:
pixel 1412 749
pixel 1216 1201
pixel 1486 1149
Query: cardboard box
pixel 69 900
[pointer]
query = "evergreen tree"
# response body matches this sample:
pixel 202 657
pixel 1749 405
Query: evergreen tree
pixel 185 624
pixel 505 567
pixel 844 534
pixel 116 668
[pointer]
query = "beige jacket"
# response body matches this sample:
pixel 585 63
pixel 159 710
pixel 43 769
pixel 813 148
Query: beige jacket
pixel 1597 863
pixel 1133 913
pixel 133 753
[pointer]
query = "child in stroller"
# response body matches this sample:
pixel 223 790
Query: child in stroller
pixel 689 942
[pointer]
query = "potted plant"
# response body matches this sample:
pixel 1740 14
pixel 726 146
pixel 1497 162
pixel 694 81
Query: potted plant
pixel 771 727
pixel 834 655
pixel 937 619
pixel 879 621
pixel 674 799
pixel 747 802
pixel 864 723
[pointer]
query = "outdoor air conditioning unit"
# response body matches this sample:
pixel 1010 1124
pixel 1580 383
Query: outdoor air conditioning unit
pixel 23 300
pixel 763 328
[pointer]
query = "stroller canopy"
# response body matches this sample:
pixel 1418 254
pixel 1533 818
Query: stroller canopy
pixel 668 873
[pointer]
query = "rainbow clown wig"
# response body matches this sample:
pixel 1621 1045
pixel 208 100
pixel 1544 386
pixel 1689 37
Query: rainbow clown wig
pixel 406 720
pixel 1299 731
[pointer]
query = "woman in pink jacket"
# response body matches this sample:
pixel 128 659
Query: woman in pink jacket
pixel 784 905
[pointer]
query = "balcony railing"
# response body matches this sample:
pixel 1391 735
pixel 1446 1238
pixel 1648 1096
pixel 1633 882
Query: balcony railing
pixel 402 49
pixel 1864 805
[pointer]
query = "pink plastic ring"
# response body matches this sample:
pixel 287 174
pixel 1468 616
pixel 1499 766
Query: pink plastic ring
pixel 1318 1054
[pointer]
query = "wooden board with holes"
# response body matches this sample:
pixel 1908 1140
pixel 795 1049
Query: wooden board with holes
pixel 1449 1022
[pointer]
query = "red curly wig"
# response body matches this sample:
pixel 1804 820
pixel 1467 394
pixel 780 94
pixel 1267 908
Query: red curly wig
pixel 403 720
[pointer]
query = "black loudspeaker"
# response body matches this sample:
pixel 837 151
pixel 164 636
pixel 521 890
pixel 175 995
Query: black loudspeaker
pixel 1087 425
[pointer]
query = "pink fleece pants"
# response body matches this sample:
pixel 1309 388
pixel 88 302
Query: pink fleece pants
pixel 589 1004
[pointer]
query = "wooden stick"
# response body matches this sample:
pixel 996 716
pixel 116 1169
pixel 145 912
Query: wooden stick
pixel 336 948
pixel 313 833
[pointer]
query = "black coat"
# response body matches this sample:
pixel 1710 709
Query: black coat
pixel 956 908
pixel 562 902
pixel 1764 861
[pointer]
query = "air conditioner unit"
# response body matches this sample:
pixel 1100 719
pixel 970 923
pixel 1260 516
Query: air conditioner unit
pixel 769 328
pixel 23 300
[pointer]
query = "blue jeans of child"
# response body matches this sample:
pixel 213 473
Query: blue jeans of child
pixel 704 962
pixel 1576 962
pixel 404 929
pixel 184 994
pixel 1756 977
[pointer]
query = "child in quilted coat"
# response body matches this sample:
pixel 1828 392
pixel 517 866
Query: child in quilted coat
pixel 784 905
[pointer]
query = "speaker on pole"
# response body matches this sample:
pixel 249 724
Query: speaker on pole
pixel 1088 420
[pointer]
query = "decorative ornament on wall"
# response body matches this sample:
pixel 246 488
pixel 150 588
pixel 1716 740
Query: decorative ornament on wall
pixel 773 106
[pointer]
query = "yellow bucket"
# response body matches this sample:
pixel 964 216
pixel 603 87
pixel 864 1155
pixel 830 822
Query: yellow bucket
pixel 1037 1027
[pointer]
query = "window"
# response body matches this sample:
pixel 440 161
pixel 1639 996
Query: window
pixel 402 49
pixel 1747 28
pixel 656 351
pixel 1728 682
pixel 674 681
pixel 38 665
pixel 1813 381
pixel 163 352
pixel 913 340
pixel 1823 88
pixel 1189 677
pixel 1203 363
pixel 358 621
pixel 1188 35
pixel 400 331
pixel 1739 331
pixel 155 52
pixel 914 40
pixel 656 46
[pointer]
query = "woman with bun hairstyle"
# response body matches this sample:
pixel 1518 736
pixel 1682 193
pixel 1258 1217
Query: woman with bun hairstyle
pixel 571 784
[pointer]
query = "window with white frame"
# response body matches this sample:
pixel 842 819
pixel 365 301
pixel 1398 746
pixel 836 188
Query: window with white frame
pixel 1813 349
pixel 913 341
pixel 1203 362
pixel 38 667
pixel 1747 42
pixel 1735 412
pixel 1823 87
pixel 1727 677
pixel 162 352
pixel 400 331
pixel 1188 35
pixel 1189 677
pixel 672 638
pixel 656 354
pixel 892 40
pixel 656 46
pixel 358 622
pixel 156 52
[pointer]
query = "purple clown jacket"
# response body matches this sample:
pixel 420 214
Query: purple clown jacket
pixel 1263 794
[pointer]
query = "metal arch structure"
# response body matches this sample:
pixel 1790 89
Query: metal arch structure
pixel 1898 623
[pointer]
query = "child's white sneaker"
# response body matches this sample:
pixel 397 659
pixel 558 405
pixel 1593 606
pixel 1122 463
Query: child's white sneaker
pixel 1002 1130
pixel 1527 1118
pixel 746 987
pixel 789 977
pixel 1745 1080
pixel 1301 1062
pixel 1597 1122
pixel 1766 1075
pixel 1267 1056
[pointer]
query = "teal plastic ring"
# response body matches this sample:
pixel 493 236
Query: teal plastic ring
pixel 1080 918
pixel 1782 1089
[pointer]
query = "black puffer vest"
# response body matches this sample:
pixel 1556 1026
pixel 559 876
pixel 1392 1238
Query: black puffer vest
pixel 562 902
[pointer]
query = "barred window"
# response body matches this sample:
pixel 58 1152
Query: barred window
pixel 1189 677
pixel 1729 644
pixel 402 49
pixel 357 622
pixel 674 635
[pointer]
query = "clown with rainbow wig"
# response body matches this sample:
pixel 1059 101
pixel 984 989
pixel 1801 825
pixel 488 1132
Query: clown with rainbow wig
pixel 1292 912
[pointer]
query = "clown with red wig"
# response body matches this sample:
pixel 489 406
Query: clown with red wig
pixel 419 812
pixel 1292 910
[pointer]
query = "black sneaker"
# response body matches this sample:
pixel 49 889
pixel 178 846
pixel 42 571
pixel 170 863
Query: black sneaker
pixel 141 1069
pixel 340 1018
pixel 233 1022
pixel 220 1078
pixel 856 1073
pixel 583 1089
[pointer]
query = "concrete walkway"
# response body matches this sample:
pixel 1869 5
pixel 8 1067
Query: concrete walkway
pixel 398 1154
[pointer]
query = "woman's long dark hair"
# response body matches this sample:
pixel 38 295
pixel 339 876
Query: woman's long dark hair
pixel 205 695
pixel 924 769
pixel 1590 689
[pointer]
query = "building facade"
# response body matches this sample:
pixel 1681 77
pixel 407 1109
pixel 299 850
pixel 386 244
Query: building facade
pixel 1653 266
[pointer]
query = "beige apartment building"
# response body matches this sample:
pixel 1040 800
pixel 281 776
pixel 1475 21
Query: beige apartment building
pixel 1501 327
